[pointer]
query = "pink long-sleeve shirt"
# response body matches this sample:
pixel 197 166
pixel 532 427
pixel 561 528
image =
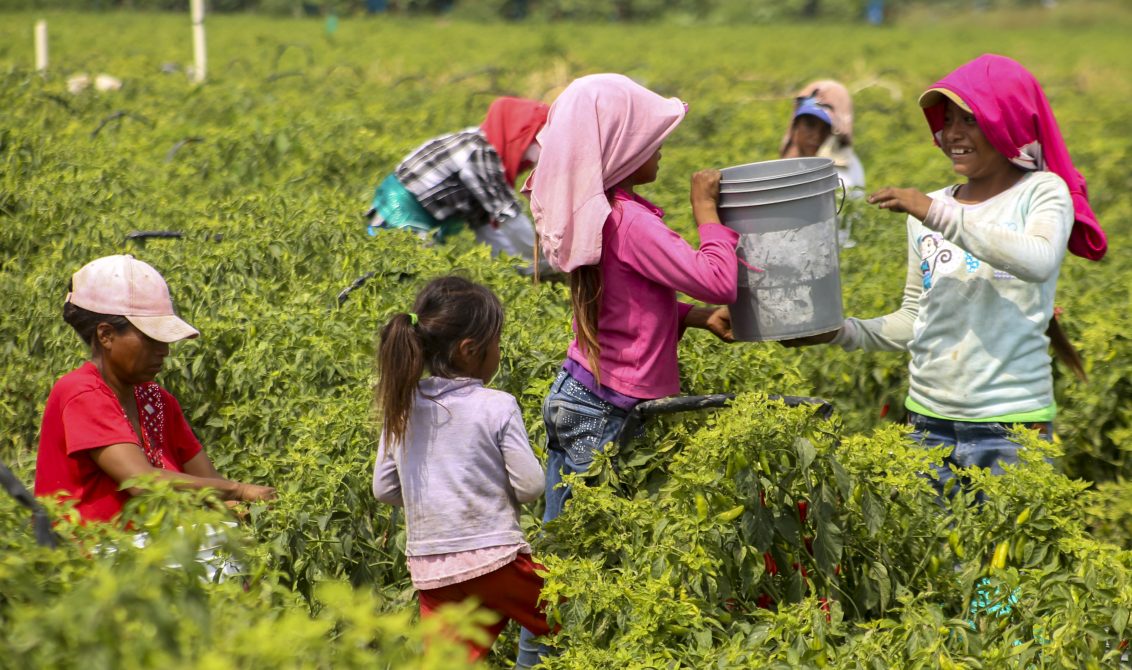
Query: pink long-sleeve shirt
pixel 643 264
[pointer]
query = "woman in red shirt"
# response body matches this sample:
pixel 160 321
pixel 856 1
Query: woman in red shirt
pixel 108 421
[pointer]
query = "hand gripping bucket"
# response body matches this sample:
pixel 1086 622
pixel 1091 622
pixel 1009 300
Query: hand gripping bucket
pixel 789 277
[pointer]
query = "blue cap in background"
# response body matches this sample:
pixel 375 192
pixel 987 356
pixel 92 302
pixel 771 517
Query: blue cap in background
pixel 812 107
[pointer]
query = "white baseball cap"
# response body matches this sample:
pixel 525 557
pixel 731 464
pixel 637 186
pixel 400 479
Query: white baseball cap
pixel 125 286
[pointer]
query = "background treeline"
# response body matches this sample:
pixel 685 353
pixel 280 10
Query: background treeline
pixel 754 11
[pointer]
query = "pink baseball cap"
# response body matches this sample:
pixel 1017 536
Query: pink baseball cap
pixel 125 286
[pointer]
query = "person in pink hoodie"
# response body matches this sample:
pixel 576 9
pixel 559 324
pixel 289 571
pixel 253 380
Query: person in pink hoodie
pixel 601 141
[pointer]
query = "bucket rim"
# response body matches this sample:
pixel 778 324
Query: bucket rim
pixel 779 201
pixel 763 185
pixel 820 164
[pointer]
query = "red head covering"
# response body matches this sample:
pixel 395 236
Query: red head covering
pixel 1014 115
pixel 510 126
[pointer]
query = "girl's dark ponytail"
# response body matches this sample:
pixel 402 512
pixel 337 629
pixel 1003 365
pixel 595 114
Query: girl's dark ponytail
pixel 400 362
pixel 447 311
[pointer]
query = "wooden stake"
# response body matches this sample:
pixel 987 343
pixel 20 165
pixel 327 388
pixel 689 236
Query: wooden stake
pixel 200 58
pixel 41 46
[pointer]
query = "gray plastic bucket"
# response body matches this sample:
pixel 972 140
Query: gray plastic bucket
pixel 789 233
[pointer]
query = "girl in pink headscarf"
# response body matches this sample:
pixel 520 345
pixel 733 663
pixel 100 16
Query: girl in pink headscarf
pixel 601 141
pixel 983 262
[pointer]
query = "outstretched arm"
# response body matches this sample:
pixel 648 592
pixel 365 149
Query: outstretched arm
pixel 709 273
pixel 126 461
pixel 1031 253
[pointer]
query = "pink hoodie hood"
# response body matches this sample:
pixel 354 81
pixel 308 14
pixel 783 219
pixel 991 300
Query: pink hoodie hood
pixel 1014 115
pixel 600 130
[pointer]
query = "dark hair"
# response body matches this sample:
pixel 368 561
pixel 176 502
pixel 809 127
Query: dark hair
pixel 448 310
pixel 585 298
pixel 85 322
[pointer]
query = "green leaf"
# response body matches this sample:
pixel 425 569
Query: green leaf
pixel 828 545
pixel 873 511
pixel 806 453
pixel 1120 620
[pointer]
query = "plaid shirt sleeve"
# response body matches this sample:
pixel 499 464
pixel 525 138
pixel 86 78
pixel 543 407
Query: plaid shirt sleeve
pixel 483 176
pixel 461 176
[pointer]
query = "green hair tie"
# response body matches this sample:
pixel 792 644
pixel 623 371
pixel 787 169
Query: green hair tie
pixel 413 318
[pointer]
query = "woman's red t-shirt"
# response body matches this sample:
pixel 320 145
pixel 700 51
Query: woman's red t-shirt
pixel 82 414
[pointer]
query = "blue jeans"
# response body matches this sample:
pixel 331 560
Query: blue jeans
pixel 578 425
pixel 975 444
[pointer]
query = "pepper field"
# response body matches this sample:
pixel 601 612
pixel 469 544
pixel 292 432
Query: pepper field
pixel 685 548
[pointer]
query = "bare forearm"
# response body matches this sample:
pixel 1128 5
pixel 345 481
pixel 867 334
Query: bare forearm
pixel 227 489
pixel 201 466
pixel 705 212
pixel 698 317
pixel 125 462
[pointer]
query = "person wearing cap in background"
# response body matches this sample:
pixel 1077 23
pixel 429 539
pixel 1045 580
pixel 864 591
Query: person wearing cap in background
pixel 822 125
pixel 468 177
pixel 108 422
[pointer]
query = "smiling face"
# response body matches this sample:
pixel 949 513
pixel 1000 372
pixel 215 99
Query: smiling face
pixel 964 143
pixel 928 247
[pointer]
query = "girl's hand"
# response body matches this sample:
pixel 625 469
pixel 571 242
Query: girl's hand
pixel 705 196
pixel 904 200
pixel 717 320
pixel 719 323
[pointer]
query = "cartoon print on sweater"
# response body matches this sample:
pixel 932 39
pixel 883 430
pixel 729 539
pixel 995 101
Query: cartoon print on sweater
pixel 935 255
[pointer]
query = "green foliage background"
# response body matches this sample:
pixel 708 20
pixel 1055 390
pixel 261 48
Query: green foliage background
pixel 267 168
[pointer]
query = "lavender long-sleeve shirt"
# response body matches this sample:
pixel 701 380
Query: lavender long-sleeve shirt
pixel 643 264
pixel 464 468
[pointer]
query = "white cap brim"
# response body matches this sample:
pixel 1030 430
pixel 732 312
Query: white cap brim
pixel 936 96
pixel 168 328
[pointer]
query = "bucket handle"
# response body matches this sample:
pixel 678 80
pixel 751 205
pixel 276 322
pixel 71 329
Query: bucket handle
pixel 844 192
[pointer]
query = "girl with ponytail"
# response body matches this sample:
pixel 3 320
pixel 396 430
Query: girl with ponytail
pixel 455 455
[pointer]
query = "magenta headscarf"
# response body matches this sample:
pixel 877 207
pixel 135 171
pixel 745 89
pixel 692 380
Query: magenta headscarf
pixel 600 130
pixel 1014 115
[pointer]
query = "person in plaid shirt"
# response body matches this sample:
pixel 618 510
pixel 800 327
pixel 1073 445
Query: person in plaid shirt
pixel 467 178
